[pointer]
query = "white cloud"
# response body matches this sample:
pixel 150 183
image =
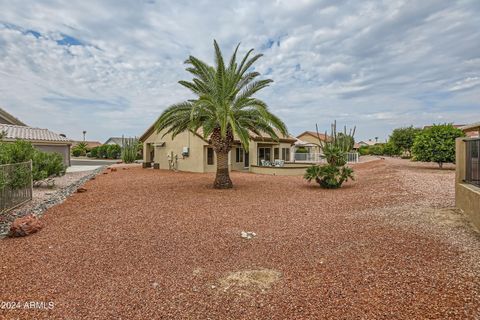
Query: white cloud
pixel 375 64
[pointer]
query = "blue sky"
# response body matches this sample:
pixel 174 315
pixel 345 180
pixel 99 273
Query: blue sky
pixel 111 67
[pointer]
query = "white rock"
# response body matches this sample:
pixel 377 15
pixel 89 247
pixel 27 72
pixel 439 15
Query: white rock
pixel 247 234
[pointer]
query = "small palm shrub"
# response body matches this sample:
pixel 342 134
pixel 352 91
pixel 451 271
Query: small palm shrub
pixel 329 176
pixel 333 174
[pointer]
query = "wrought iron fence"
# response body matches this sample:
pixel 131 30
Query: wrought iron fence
pixel 472 173
pixel 16 185
pixel 352 157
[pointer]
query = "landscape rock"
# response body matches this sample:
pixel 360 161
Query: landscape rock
pixel 25 226
pixel 81 190
pixel 247 234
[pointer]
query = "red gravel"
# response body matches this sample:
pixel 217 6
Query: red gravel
pixel 150 244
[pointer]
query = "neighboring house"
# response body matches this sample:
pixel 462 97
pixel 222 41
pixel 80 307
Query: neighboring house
pixel 42 139
pixel 191 152
pixel 115 140
pixel 471 130
pixel 363 143
pixel 7 118
pixel 309 140
pixel 90 144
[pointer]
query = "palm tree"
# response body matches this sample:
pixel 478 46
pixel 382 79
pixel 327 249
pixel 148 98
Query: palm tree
pixel 224 107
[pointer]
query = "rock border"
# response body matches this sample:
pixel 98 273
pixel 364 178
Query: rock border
pixel 56 198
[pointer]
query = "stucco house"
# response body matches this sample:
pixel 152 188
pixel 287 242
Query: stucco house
pixel 309 140
pixel 115 140
pixel 7 118
pixel 42 139
pixel 471 130
pixel 189 151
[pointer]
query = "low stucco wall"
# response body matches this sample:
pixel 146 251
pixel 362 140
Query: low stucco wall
pixel 287 170
pixel 467 198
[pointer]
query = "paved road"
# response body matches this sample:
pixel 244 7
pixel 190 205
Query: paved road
pixel 93 162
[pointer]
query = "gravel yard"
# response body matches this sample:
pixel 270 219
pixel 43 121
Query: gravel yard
pixel 151 244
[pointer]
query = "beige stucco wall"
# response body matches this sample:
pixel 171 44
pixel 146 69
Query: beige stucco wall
pixel 63 150
pixel 195 162
pixel 467 196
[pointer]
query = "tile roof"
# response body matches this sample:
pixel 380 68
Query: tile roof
pixel 90 144
pixel 323 136
pixel 253 135
pixel 31 134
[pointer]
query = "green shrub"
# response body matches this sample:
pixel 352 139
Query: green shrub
pixel 46 165
pixel 389 149
pixel 364 150
pixel 77 152
pixel 436 144
pixel 19 178
pixel 376 150
pixel 113 151
pixel 403 138
pixel 94 152
pixel 329 176
pixel 15 152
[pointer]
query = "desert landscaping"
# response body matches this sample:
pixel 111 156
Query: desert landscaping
pixel 144 243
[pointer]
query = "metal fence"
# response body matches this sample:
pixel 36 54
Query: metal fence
pixel 16 185
pixel 352 157
pixel 472 173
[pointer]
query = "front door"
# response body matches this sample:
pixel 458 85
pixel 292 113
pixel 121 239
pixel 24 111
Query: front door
pixel 246 160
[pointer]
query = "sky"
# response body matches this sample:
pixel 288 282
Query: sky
pixel 110 67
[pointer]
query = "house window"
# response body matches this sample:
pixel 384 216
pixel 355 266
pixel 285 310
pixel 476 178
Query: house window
pixel 210 156
pixel 264 154
pixel 276 153
pixel 286 154
pixel 239 155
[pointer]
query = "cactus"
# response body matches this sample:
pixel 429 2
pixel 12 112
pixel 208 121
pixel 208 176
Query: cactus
pixel 129 149
pixel 334 148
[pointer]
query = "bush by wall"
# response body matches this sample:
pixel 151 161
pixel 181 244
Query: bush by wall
pixel 44 164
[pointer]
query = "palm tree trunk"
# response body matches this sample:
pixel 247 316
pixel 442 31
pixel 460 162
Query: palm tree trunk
pixel 222 178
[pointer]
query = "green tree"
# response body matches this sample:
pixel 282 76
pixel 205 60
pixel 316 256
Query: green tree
pixel 224 107
pixel 436 144
pixel 403 138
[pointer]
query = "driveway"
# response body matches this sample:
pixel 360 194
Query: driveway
pixel 152 244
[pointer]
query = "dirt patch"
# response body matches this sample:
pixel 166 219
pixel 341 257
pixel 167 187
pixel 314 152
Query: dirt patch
pixel 449 216
pixel 246 281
